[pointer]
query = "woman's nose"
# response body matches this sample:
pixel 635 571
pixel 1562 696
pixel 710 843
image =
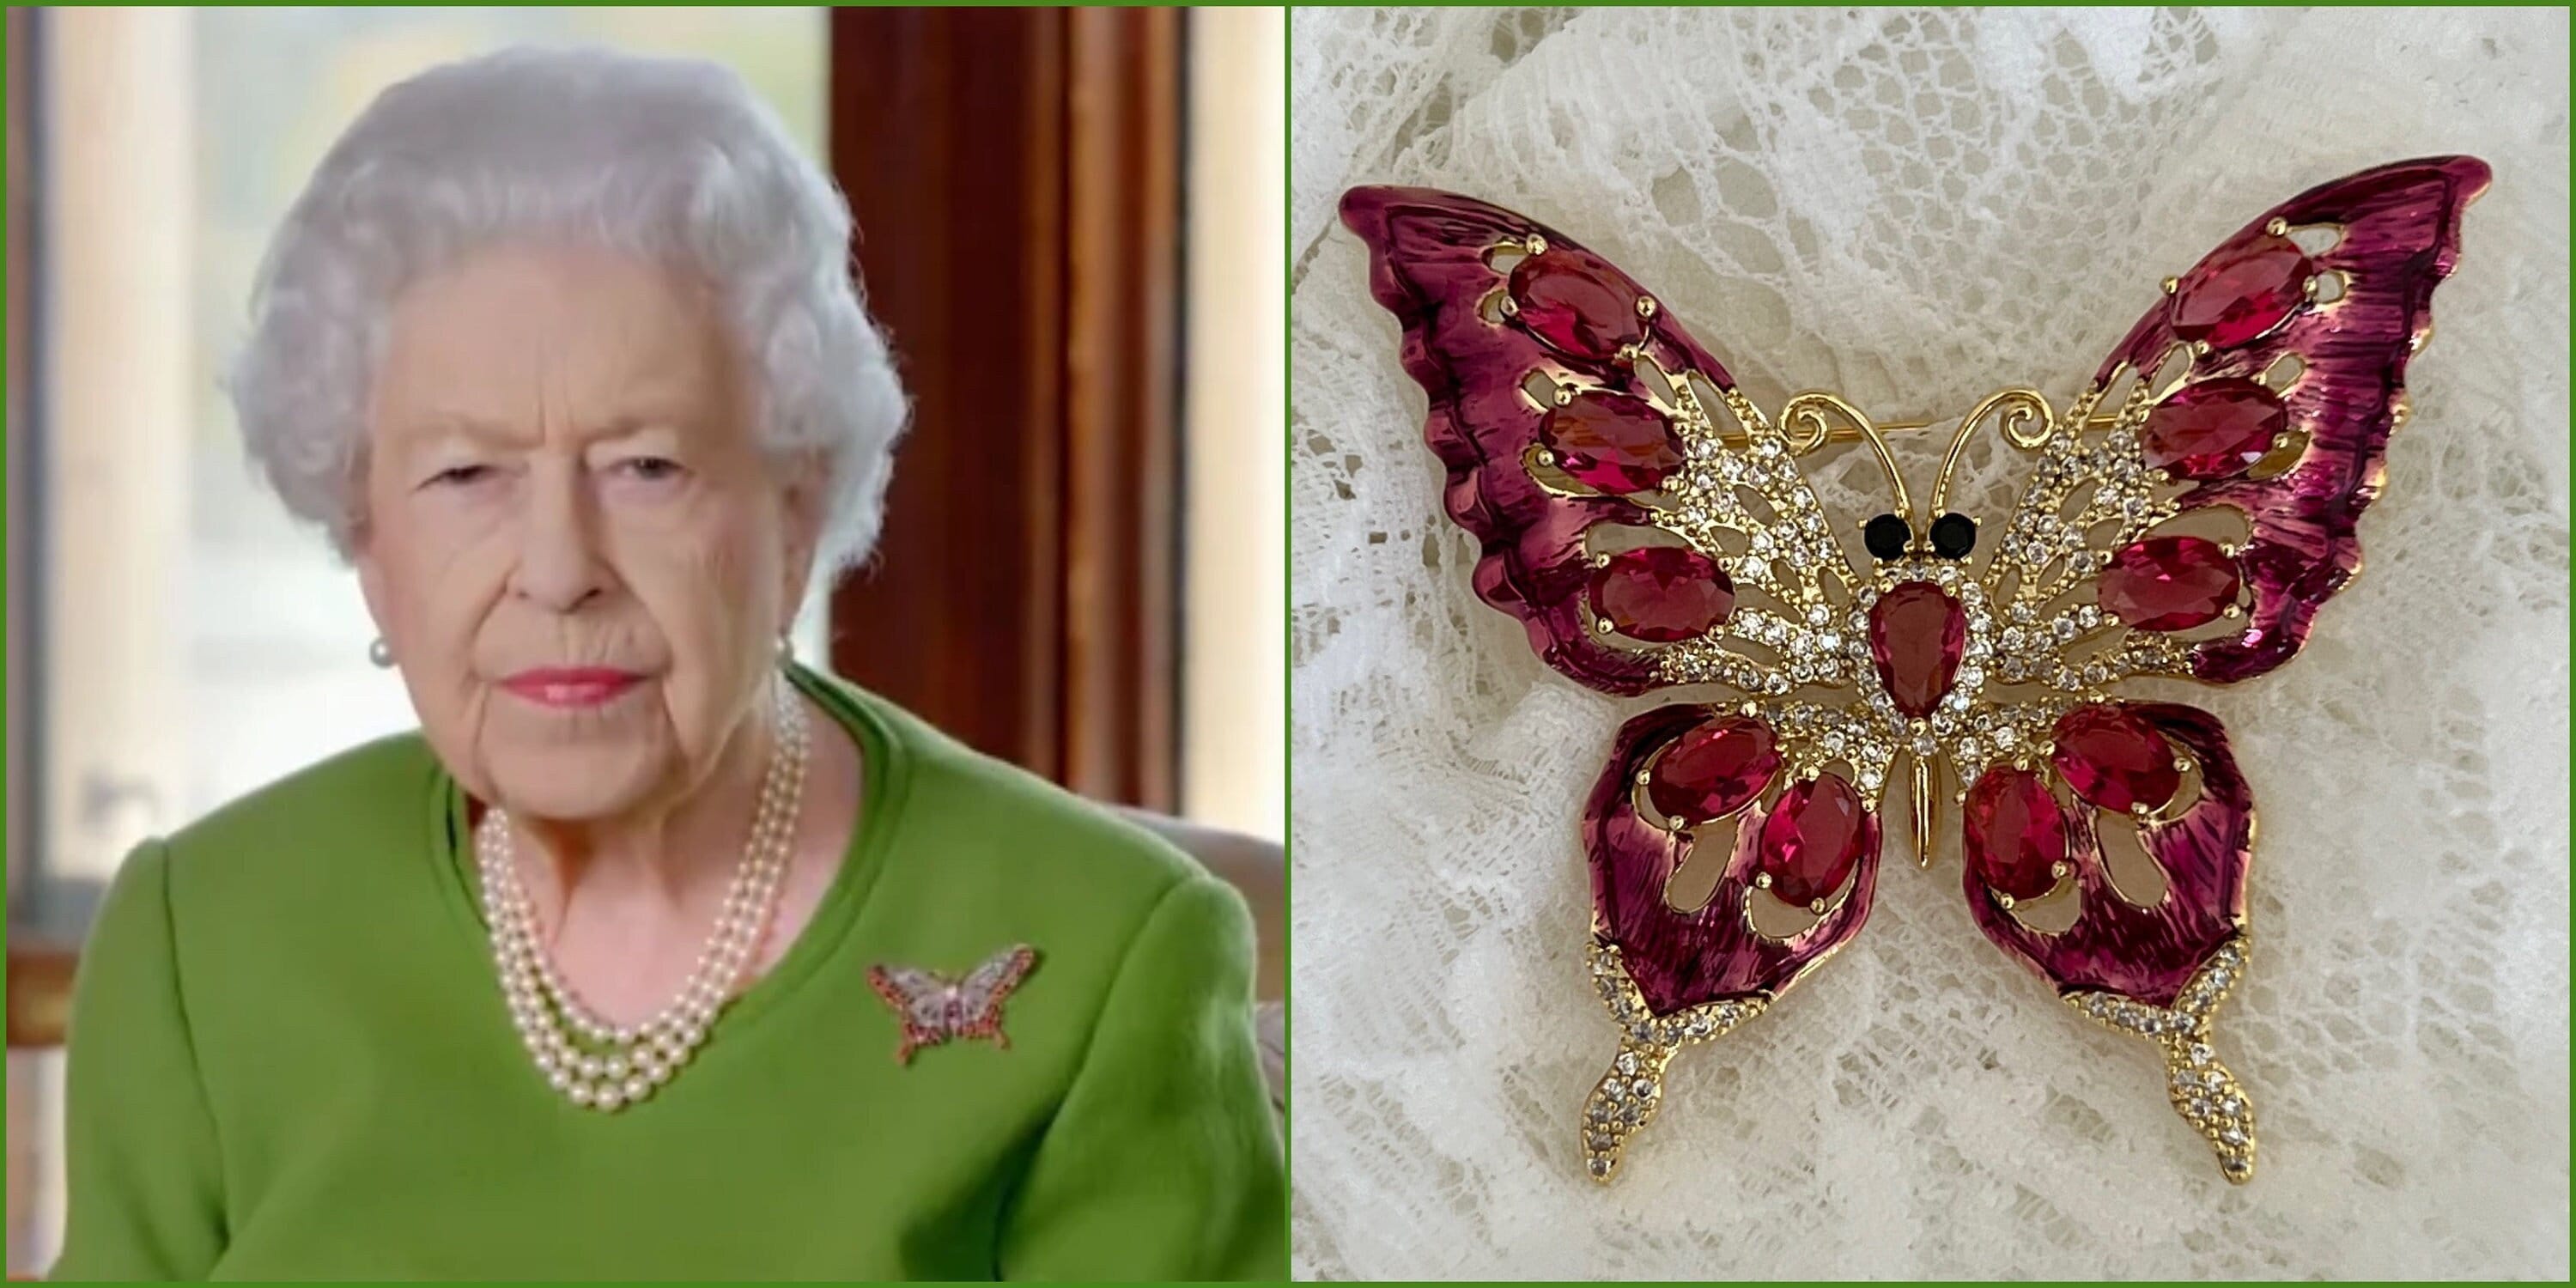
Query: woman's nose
pixel 559 565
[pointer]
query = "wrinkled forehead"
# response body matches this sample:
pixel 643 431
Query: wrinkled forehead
pixel 548 340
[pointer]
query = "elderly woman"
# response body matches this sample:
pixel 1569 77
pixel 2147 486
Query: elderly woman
pixel 652 953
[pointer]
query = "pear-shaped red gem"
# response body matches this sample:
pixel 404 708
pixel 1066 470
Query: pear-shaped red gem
pixel 2168 583
pixel 2015 832
pixel 1916 635
pixel 1811 840
pixel 1713 769
pixel 2213 429
pixel 2113 759
pixel 2241 291
pixel 1577 302
pixel 1613 442
pixel 1662 594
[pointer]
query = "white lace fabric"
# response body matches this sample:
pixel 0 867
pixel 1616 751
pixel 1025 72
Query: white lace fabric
pixel 1914 209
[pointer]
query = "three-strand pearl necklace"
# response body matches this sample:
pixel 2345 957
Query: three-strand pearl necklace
pixel 607 1066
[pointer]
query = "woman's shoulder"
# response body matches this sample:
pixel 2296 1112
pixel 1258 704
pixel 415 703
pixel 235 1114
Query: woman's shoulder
pixel 379 796
pixel 966 824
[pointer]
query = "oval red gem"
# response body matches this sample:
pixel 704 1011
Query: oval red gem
pixel 1713 769
pixel 1612 442
pixel 1916 634
pixel 1661 594
pixel 2113 759
pixel 2241 291
pixel 1577 302
pixel 1811 840
pixel 2212 429
pixel 2015 833
pixel 2168 583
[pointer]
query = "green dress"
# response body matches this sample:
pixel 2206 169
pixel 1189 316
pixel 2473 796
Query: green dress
pixel 290 1057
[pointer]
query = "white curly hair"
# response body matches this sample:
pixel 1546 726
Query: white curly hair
pixel 672 159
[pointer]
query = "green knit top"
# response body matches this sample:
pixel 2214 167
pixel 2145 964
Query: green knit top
pixel 290 1057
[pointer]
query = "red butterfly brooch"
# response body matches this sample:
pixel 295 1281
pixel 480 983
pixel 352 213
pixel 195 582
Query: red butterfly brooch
pixel 933 1008
pixel 2185 516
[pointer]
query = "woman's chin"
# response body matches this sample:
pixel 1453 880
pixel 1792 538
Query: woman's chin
pixel 571 783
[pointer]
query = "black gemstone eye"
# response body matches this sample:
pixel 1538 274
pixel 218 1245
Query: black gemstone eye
pixel 1954 535
pixel 1886 536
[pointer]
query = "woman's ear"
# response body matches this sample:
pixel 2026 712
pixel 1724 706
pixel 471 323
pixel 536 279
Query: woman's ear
pixel 801 513
pixel 371 584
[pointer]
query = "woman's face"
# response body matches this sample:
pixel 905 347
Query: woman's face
pixel 572 543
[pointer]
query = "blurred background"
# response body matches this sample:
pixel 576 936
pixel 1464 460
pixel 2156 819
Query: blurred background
pixel 1070 220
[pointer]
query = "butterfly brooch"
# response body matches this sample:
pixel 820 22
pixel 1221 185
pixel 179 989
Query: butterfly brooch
pixel 935 1008
pixel 2184 516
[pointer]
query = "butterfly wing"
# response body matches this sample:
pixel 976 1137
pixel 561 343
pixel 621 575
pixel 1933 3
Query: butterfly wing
pixel 981 996
pixel 2292 375
pixel 920 996
pixel 1573 412
pixel 2290 367
pixel 1650 527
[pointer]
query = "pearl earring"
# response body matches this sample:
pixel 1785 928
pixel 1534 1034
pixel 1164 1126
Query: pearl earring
pixel 381 653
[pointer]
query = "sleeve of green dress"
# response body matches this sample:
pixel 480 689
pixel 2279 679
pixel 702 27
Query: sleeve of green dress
pixel 1163 1162
pixel 146 1187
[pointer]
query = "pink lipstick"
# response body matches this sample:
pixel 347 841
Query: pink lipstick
pixel 571 687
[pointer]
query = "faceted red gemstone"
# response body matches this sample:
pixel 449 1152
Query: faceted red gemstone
pixel 1812 839
pixel 1575 301
pixel 2015 832
pixel 1612 442
pixel 2241 291
pixel 2212 429
pixel 1713 769
pixel 2113 759
pixel 2168 583
pixel 1661 594
pixel 1916 634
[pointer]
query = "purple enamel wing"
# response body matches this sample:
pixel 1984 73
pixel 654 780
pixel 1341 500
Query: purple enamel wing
pixel 2185 515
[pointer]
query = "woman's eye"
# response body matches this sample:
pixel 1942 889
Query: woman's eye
pixel 649 469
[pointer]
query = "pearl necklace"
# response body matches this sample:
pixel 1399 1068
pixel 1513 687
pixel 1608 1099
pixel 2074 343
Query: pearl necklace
pixel 608 1066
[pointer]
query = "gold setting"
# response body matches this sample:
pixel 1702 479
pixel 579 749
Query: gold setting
pixel 1626 1097
pixel 2201 1087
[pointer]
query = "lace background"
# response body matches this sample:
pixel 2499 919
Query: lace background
pixel 1914 209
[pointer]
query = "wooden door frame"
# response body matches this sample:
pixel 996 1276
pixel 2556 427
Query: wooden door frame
pixel 1015 178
